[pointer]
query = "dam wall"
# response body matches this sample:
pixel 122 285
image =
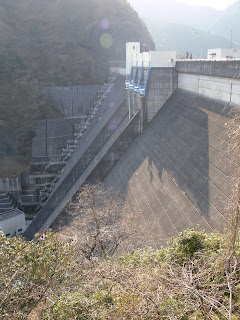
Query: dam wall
pixel 214 79
pixel 178 173
pixel 163 145
pixel 107 138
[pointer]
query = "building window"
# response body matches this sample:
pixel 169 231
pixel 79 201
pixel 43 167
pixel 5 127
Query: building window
pixel 133 47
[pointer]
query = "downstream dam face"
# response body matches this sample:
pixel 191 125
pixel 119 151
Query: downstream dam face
pixel 162 145
pixel 179 171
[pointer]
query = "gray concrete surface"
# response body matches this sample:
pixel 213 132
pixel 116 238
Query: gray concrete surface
pixel 224 89
pixel 178 172
pixel 162 83
pixel 103 131
pixel 51 136
pixel 10 184
pixel 222 69
pixel 75 100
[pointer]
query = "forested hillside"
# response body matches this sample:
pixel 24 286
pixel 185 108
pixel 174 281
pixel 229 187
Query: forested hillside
pixel 185 38
pixel 58 42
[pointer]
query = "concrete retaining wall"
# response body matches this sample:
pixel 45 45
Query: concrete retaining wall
pixel 73 101
pixel 222 69
pixel 52 135
pixel 10 185
pixel 224 89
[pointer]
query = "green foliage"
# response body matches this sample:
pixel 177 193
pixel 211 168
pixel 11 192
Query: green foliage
pixel 186 246
pixel 28 270
pixel 144 257
pixel 190 242
pixel 187 280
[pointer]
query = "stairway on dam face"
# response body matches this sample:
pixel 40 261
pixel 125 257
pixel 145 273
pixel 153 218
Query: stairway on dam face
pixel 109 123
pixel 7 202
pixel 57 139
pixel 178 173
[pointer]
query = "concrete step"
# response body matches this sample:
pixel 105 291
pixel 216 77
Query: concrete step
pixel 31 198
pixel 32 191
pixel 72 148
pixel 42 194
pixel 3 195
pixel 5 200
pixel 38 167
pixel 78 136
pixel 41 180
pixel 64 154
pixel 42 175
pixel 55 167
pixel 9 205
pixel 30 204
pixel 67 157
pixel 55 179
pixel 3 210
pixel 70 142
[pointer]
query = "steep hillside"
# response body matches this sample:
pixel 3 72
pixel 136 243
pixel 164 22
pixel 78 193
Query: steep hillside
pixel 177 25
pixel 69 41
pixel 176 11
pixel 229 20
pixel 185 38
pixel 56 42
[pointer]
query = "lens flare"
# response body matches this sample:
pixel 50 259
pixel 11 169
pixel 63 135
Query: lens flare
pixel 106 40
pixel 112 126
pixel 112 105
pixel 105 24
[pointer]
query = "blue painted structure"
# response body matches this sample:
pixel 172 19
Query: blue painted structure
pixel 137 87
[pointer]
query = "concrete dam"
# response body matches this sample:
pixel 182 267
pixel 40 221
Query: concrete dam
pixel 162 144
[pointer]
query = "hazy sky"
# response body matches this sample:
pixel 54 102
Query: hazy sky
pixel 218 4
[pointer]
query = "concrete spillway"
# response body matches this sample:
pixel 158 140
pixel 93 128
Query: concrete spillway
pixel 177 173
pixel 106 138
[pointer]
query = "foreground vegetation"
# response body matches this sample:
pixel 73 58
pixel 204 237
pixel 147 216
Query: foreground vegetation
pixel 86 270
pixel 195 277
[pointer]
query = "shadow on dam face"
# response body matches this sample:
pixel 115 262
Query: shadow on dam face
pixel 177 173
